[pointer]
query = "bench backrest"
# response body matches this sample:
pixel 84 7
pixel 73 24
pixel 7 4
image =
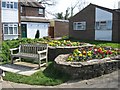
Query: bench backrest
pixel 32 48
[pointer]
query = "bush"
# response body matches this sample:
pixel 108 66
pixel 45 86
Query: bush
pixel 37 34
pixel 8 44
pixel 65 38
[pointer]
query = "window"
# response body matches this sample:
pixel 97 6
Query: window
pixel 10 5
pixel 21 9
pixel 79 25
pixel 15 5
pixel 103 25
pixel 11 29
pixel 4 4
pixel 41 11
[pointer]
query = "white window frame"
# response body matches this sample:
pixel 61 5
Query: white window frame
pixel 21 9
pixel 79 25
pixel 41 11
pixel 8 26
pixel 99 25
pixel 8 5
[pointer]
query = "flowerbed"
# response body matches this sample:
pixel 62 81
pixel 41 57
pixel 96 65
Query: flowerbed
pixel 85 54
pixel 64 43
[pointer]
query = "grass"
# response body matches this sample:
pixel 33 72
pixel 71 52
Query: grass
pixel 49 77
pixel 101 43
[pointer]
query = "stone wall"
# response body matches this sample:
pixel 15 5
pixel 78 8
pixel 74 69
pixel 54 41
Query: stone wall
pixel 86 70
pixel 53 52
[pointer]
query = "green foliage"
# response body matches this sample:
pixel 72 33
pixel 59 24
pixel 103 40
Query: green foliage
pixel 8 44
pixel 37 34
pixel 65 37
pixel 50 76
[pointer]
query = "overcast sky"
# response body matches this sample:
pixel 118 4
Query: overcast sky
pixel 62 5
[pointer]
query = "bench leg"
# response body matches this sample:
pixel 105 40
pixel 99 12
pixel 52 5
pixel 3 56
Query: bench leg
pixel 20 59
pixel 46 62
pixel 39 63
pixel 11 60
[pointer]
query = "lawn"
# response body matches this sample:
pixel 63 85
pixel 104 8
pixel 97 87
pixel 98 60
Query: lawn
pixel 49 77
pixel 101 43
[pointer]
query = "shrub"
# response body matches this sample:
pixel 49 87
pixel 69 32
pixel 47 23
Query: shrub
pixel 37 34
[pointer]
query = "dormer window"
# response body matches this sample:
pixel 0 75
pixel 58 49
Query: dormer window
pixel 41 11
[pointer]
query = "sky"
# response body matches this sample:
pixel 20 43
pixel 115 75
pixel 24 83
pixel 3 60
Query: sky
pixel 62 5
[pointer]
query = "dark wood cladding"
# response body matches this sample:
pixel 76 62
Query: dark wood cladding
pixel 61 28
pixel 88 15
pixel 32 11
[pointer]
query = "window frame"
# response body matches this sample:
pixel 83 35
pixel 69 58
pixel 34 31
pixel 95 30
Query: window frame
pixel 8 26
pixel 99 25
pixel 41 12
pixel 77 25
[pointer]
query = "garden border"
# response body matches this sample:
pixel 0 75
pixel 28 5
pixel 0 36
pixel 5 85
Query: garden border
pixel 87 70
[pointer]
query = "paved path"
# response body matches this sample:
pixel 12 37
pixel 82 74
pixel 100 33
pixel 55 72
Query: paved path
pixel 105 81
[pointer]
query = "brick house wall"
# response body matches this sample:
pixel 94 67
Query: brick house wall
pixel 31 11
pixel 88 15
pixel 61 28
pixel 116 27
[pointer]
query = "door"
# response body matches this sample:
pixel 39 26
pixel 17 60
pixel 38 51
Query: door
pixel 24 30
pixel 51 32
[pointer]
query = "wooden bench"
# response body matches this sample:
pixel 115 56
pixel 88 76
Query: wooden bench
pixel 34 51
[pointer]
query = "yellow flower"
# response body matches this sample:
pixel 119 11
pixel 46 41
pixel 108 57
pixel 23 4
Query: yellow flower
pixel 89 54
pixel 80 55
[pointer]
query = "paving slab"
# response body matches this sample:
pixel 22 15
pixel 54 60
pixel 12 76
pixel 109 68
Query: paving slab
pixel 19 69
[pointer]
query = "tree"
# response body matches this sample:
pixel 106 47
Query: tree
pixel 47 2
pixel 59 15
pixel 37 34
pixel 80 4
pixel 66 17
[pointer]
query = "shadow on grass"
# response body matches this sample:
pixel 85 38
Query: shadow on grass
pixel 54 73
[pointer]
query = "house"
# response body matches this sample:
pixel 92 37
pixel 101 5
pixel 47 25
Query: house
pixel 32 19
pixel 58 28
pixel 9 23
pixel 95 23
pixel 22 19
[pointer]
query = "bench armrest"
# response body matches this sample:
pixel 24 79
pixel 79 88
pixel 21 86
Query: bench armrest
pixel 43 51
pixel 13 49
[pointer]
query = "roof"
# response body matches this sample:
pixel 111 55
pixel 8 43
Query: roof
pixel 60 20
pixel 30 3
pixel 34 19
pixel 104 8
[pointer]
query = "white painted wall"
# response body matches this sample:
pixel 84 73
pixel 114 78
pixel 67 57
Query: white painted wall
pixel 33 27
pixel 10 37
pixel 102 15
pixel 119 4
pixel 9 15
